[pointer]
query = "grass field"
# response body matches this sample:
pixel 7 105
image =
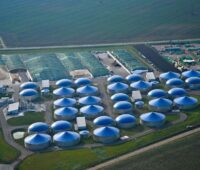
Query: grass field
pixel 27 119
pixel 7 153
pixel 183 154
pixel 49 22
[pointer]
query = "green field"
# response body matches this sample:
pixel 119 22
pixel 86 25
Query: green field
pixel 7 152
pixel 61 22
pixel 27 119
pixel 183 154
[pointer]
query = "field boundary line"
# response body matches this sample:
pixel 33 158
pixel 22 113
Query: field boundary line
pixel 142 150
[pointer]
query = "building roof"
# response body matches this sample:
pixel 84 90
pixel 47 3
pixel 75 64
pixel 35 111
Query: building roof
pixel 66 111
pixel 82 81
pixel 191 73
pixel 13 107
pixel 81 122
pixel 177 92
pixel 91 109
pixel 150 76
pixel 45 84
pixel 64 91
pixel 115 79
pixel 117 86
pixel 123 105
pixel 134 77
pixel 136 95
pixel 88 89
pixel 89 100
pixel 119 97
pixel 169 75
pixel 125 118
pixel 152 117
pixel 28 93
pixel 103 121
pixel 66 136
pixel 160 102
pixel 193 80
pixel 174 82
pixel 64 83
pixel 141 85
pixel 107 131
pixel 61 125
pixel 185 100
pixel 38 127
pixel 157 93
pixel 29 85
pixel 65 102
pixel 38 138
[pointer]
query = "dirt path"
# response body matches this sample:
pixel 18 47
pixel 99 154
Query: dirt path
pixel 147 148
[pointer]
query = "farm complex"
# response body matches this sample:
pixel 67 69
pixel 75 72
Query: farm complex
pixel 94 100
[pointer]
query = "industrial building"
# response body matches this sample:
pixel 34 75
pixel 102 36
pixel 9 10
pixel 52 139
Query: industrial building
pixel 134 77
pixel 117 88
pixel 13 108
pixel 119 97
pixel 103 121
pixel 38 127
pixel 157 93
pixel 65 113
pixel 60 126
pixel 66 139
pixel 81 123
pixel 126 121
pixel 160 105
pixel 152 119
pixel 106 134
pixel 186 103
pixel 123 107
pixel 136 96
pixel 91 111
pixel 65 102
pixel 89 100
pixel 37 142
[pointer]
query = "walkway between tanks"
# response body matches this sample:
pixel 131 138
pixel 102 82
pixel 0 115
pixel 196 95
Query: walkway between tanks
pixel 147 148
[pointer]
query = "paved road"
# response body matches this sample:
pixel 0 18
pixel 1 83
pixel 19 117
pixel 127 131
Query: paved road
pixel 147 148
pixel 48 112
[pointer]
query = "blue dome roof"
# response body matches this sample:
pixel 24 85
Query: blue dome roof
pixel 175 82
pixel 117 86
pixel 45 90
pixel 177 92
pixel 125 118
pixel 160 102
pixel 67 136
pixel 82 81
pixel 38 138
pixel 157 93
pixel 191 73
pixel 139 103
pixel 107 131
pixel 89 100
pixel 185 100
pixel 123 105
pixel 119 97
pixel 66 111
pixel 61 125
pixel 64 91
pixel 115 79
pixel 64 83
pixel 154 83
pixel 134 77
pixel 38 127
pixel 152 117
pixel 91 109
pixel 87 90
pixel 169 75
pixel 141 85
pixel 65 102
pixel 193 80
pixel 28 93
pixel 103 121
pixel 29 85
pixel 84 133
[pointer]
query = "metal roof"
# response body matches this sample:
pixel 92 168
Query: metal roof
pixel 123 105
pixel 193 80
pixel 38 138
pixel 134 77
pixel 119 97
pixel 125 118
pixel 141 85
pixel 115 78
pixel 160 102
pixel 38 127
pixel 103 121
pixel 66 111
pixel 107 131
pixel 169 75
pixel 65 102
pixel 64 83
pixel 64 91
pixel 67 136
pixel 89 100
pixel 88 89
pixel 91 109
pixel 176 82
pixel 28 93
pixel 29 85
pixel 152 117
pixel 61 125
pixel 177 92
pixel 157 93
pixel 117 86
pixel 82 81
pixel 185 100
pixel 191 73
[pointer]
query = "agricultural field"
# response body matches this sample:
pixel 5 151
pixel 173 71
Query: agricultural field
pixel 182 154
pixel 48 22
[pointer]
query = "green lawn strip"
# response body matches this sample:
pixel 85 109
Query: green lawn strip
pixel 7 153
pixel 28 118
pixel 83 158
pixel 182 154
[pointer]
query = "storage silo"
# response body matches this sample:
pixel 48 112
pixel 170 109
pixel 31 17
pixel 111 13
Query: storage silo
pixel 119 97
pixel 160 105
pixel 38 127
pixel 152 119
pixel 177 92
pixel 87 90
pixel 65 113
pixel 64 102
pixel 91 111
pixel 64 83
pixel 29 85
pixel 64 92
pixel 106 134
pixel 117 88
pixel 37 142
pixel 84 134
pixel 190 73
pixel 174 82
pixel 126 121
pixel 139 104
pixel 66 139
pixel 157 93
pixel 141 85
pixel 82 82
pixel 60 126
pixel 193 83
pixel 186 103
pixel 89 100
pixel 103 121
pixel 134 77
pixel 28 94
pixel 168 75
pixel 115 79
pixel 123 107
